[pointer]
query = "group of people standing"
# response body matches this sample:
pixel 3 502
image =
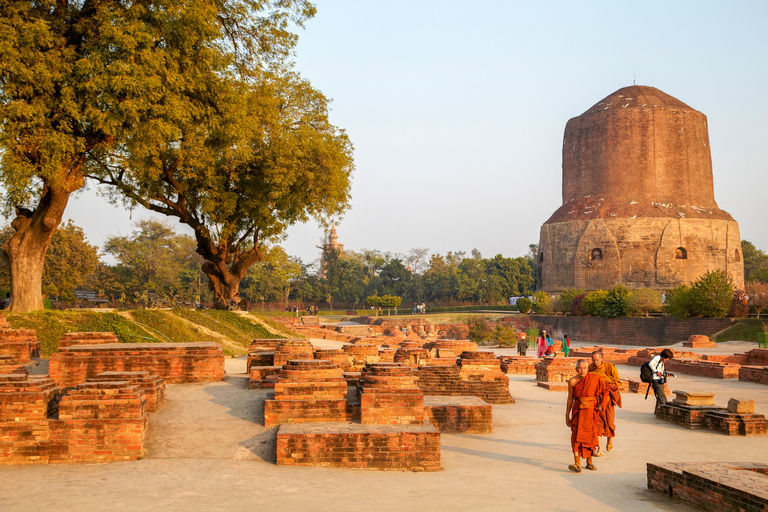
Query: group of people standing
pixel 546 345
pixel 593 395
pixel 419 308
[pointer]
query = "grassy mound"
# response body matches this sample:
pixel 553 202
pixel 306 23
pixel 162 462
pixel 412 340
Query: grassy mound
pixel 170 327
pixel 50 325
pixel 226 323
pixel 743 330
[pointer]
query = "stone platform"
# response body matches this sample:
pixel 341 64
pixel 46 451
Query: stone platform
pixel 718 419
pixel 713 486
pixel 353 445
pixel 173 362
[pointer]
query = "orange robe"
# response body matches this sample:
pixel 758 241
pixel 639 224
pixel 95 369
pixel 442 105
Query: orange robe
pixel 587 394
pixel 610 376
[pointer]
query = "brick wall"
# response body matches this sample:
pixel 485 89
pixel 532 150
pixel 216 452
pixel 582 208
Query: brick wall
pixel 648 332
pixel 21 344
pixel 173 362
pixel 351 445
pixel 715 487
pixel 69 339
pixel 465 415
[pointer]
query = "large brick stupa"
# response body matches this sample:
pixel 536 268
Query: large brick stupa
pixel 638 199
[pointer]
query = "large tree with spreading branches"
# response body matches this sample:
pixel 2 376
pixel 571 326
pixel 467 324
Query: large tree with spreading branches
pixel 82 80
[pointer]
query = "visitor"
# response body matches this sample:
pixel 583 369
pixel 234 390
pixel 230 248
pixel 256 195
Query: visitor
pixel 586 392
pixel 541 345
pixel 522 346
pixel 566 345
pixel 660 376
pixel 550 350
pixel 607 415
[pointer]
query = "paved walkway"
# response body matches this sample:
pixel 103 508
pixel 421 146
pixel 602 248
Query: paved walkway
pixel 207 450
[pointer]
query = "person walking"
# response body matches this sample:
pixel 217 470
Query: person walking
pixel 586 392
pixel 541 345
pixel 566 345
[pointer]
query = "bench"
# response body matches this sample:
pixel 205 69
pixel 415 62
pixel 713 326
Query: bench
pixel 88 296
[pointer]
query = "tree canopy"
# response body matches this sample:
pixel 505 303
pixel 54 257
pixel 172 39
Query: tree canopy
pixel 83 80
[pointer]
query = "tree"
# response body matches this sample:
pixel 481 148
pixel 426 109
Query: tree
pixel 239 174
pixel 758 296
pixel 152 258
pixel 618 302
pixel 711 294
pixel 594 302
pixel 82 80
pixel 543 303
pixel 645 300
pixel 390 301
pixel 479 331
pixel 564 302
pixel 69 264
pixel 679 301
pixel 755 262
pixel 273 278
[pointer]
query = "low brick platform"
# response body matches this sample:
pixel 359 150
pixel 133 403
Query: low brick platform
pixel 713 418
pixel 21 344
pixel 69 339
pixel 311 390
pixel 389 395
pixel 486 382
pixel 610 354
pixel 100 421
pixel 173 362
pixel 152 385
pixel 553 373
pixel 352 445
pixel 713 486
pixel 361 354
pixel 711 369
pixel 758 374
pixel 699 341
pixel 459 414
pixel 519 365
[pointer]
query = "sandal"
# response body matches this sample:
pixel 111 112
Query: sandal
pixel 609 446
pixel 591 467
pixel 575 468
pixel 599 453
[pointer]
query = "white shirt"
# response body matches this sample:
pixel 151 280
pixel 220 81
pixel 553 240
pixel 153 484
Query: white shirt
pixel 657 365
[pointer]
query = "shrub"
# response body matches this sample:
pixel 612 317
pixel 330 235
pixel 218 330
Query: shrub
pixel 739 305
pixel 645 300
pixel 618 302
pixel 478 329
pixel 594 302
pixel 679 301
pixel 503 335
pixel 712 295
pixel 564 302
pixel 542 304
pixel 577 306
pixel 524 305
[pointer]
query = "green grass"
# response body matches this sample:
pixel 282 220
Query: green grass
pixel 743 330
pixel 50 325
pixel 226 323
pixel 173 328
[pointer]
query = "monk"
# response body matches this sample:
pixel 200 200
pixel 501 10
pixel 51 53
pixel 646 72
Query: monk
pixel 607 420
pixel 585 394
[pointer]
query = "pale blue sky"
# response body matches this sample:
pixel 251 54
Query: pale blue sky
pixel 457 110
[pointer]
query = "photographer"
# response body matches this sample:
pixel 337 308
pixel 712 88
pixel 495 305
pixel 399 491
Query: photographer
pixel 660 376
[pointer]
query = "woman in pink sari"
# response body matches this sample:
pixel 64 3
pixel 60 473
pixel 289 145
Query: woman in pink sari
pixel 541 344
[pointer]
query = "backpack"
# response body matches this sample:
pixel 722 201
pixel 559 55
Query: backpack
pixel 646 374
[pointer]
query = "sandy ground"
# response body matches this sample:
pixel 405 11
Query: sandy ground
pixel 207 449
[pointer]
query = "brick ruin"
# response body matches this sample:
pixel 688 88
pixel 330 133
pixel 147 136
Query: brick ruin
pixel 697 411
pixel 173 362
pixel 100 420
pixel 21 345
pixel 638 200
pixel 751 366
pixel 713 486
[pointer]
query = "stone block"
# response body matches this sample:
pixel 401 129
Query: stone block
pixel 741 405
pixel 694 398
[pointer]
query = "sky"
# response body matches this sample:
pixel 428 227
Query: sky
pixel 457 111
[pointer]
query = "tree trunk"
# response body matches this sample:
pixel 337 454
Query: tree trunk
pixel 25 250
pixel 224 284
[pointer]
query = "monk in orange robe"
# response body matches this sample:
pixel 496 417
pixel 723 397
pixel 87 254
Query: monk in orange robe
pixel 585 394
pixel 607 418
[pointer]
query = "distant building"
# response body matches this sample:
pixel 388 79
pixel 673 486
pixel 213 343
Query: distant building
pixel 332 245
pixel 638 200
